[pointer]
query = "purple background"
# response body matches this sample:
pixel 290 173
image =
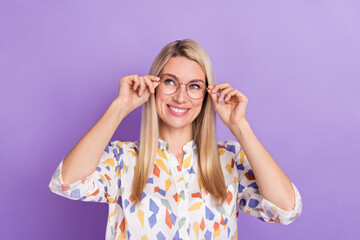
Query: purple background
pixel 296 61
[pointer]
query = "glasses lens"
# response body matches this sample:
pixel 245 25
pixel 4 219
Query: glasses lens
pixel 168 85
pixel 196 89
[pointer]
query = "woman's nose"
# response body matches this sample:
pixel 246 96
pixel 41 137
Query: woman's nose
pixel 181 94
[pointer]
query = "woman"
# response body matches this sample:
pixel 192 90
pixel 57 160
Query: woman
pixel 177 182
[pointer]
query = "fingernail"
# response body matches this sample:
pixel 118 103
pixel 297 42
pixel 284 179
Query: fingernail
pixel 141 92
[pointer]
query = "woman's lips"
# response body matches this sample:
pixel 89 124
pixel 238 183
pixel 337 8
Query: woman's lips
pixel 177 111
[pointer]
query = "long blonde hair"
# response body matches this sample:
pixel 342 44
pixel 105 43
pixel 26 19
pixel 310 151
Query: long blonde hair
pixel 204 135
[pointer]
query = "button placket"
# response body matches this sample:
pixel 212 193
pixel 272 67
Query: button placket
pixel 180 178
pixel 185 172
pixel 180 189
pixel 175 172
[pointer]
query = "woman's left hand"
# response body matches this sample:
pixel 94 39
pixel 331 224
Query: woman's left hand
pixel 232 112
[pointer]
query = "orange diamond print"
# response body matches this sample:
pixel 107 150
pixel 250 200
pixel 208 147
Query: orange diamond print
pixel 156 171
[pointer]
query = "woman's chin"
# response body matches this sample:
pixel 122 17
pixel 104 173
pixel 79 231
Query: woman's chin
pixel 174 124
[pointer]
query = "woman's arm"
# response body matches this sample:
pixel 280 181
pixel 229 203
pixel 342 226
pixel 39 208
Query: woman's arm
pixel 83 159
pixel 274 184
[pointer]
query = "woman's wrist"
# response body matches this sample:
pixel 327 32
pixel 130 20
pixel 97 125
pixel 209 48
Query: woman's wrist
pixel 120 109
pixel 240 128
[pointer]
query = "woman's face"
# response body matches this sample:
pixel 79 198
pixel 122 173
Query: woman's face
pixel 179 110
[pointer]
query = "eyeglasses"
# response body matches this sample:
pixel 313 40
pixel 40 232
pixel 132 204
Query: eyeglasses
pixel 169 85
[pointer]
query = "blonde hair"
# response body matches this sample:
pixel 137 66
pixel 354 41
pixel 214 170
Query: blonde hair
pixel 204 135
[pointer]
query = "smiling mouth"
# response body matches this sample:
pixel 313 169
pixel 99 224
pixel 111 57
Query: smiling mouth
pixel 178 110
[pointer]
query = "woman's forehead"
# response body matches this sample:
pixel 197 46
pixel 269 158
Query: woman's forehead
pixel 172 76
pixel 183 69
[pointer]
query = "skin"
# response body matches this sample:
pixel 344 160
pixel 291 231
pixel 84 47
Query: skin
pixel 274 184
pixel 230 104
pixel 177 130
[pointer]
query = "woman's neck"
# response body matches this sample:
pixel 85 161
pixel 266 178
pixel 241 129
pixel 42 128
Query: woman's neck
pixel 176 137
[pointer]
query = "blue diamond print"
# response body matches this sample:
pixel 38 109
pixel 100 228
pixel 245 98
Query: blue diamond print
pixel 253 185
pixel 153 207
pixel 253 202
pixel 240 188
pixel 207 235
pixel 160 236
pixel 209 214
pixel 75 193
pixel 152 220
pixel 231 148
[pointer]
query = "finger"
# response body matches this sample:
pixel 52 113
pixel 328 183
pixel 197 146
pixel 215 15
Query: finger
pixel 149 84
pixel 134 78
pixel 223 93
pixel 220 87
pixel 142 86
pixel 155 84
pixel 153 78
pixel 230 94
pixel 214 98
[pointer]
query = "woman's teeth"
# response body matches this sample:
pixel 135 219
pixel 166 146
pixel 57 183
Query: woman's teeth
pixel 178 110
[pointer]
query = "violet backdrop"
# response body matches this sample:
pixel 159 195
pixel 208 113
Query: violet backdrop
pixel 296 61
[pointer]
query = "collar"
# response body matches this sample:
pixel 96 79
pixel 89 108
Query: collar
pixel 165 145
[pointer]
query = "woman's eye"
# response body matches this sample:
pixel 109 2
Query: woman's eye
pixel 169 82
pixel 194 86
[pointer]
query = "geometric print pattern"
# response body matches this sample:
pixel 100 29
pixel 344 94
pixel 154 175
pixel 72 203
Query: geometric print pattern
pixel 174 203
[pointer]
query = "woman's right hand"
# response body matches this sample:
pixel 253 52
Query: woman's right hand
pixel 135 90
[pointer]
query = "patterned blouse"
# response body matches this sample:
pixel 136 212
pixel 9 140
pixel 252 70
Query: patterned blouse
pixel 175 205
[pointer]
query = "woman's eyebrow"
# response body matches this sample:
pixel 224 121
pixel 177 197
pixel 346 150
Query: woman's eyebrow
pixel 172 75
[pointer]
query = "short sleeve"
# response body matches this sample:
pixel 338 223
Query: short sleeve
pixel 100 186
pixel 253 203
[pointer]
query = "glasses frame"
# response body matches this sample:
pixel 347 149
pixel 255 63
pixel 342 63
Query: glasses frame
pixel 186 88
